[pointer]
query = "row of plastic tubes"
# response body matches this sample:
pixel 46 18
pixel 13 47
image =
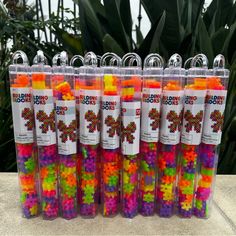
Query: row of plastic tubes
pixel 180 118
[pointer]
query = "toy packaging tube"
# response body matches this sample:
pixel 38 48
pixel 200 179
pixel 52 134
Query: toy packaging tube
pixel 110 134
pixel 62 83
pixel 130 133
pixel 171 117
pixel 194 106
pixel 45 136
pixel 211 137
pixel 150 121
pixel 89 111
pixel 74 62
pixel 23 123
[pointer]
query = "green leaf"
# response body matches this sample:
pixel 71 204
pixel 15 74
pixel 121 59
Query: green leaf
pixel 152 9
pixel 69 41
pixel 91 29
pixel 139 36
pixel 229 44
pixel 152 40
pixel 218 39
pixel 126 17
pixel 173 25
pixel 116 24
pixel 110 45
pixel 221 10
pixel 204 41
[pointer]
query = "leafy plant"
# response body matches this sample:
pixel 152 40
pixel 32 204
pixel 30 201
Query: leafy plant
pixel 182 26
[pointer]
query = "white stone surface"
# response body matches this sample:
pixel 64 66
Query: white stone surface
pixel 222 221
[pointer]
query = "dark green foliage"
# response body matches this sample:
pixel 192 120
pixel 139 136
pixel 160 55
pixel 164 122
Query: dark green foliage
pixel 182 26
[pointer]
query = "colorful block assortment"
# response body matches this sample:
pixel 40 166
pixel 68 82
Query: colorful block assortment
pixel 136 141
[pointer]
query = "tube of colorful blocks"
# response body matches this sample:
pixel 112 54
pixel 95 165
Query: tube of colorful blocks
pixel 171 117
pixel 74 62
pixel 89 111
pixel 211 138
pixel 45 135
pixel 130 132
pixel 110 131
pixel 150 121
pixel 194 106
pixel 23 123
pixel 62 84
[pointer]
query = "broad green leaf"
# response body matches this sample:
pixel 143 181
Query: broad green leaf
pixel 204 41
pixel 69 41
pixel 139 36
pixel 229 43
pixel 152 9
pixel 126 17
pixel 218 39
pixel 92 34
pixel 221 10
pixel 152 40
pixel 116 25
pixel 172 22
pixel 157 35
pixel 110 45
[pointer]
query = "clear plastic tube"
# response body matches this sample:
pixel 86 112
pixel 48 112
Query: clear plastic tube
pixel 62 84
pixel 73 62
pixel 23 123
pixel 194 106
pixel 89 94
pixel 171 117
pixel 45 136
pixel 130 133
pixel 150 122
pixel 217 84
pixel 110 131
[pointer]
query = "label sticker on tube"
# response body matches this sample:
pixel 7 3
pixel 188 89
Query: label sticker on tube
pixel 89 116
pixel 171 116
pixel 150 121
pixel 66 127
pixel 214 116
pixel 76 92
pixel 194 105
pixel 44 117
pixel 110 132
pixel 22 114
pixel 130 127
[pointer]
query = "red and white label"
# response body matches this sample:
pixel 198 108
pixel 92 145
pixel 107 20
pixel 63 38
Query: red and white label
pixel 171 116
pixel 44 117
pixel 150 122
pixel 66 127
pixel 110 133
pixel 89 111
pixel 130 127
pixel 23 115
pixel 194 106
pixel 214 116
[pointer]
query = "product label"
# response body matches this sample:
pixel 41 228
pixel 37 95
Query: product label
pixel 171 117
pixel 23 115
pixel 214 116
pixel 194 105
pixel 130 127
pixel 150 121
pixel 89 116
pixel 44 117
pixel 66 127
pixel 110 132
pixel 76 92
